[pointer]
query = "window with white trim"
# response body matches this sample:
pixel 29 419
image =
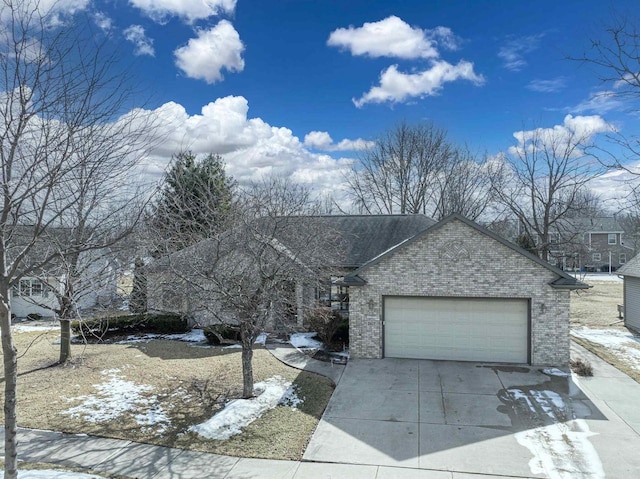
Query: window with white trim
pixel 611 238
pixel 623 258
pixel 596 257
pixel 30 288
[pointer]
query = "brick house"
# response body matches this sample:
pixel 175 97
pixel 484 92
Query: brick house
pixel 457 291
pixel 604 241
pixel 414 288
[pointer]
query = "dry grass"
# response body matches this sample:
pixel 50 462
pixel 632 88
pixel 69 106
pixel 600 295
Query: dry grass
pixel 597 307
pixel 189 384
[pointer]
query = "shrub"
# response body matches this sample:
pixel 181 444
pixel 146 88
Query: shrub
pixel 325 322
pixel 34 317
pixel 137 323
pixel 342 333
pixel 581 368
pixel 219 333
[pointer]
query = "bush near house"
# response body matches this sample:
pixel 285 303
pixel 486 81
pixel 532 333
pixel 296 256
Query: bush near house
pixel 330 326
pixel 220 333
pixel 127 324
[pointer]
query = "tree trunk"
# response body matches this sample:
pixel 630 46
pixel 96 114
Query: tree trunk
pixel 65 340
pixel 10 362
pixel 67 309
pixel 247 336
pixel 247 369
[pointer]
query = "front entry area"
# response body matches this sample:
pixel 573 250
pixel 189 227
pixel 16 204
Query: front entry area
pixel 458 329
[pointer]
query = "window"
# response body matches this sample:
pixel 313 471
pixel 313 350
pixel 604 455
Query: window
pixel 623 258
pixel 611 238
pixel 596 257
pixel 31 287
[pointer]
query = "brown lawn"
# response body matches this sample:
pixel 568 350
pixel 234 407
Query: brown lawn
pixel 185 383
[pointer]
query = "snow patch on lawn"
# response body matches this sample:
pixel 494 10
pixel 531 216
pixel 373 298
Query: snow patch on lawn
pixel 305 341
pixel 30 328
pixel 193 336
pixel 239 413
pixel 114 398
pixel 52 474
pixel 604 277
pixel 623 344
pixel 560 450
pixel 261 339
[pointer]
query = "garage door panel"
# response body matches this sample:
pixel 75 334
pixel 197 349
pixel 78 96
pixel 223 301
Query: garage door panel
pixel 464 329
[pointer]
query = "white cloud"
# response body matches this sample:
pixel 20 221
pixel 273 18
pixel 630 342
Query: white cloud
pixel 205 56
pixel 599 102
pixel 574 133
pixel 53 12
pixel 512 53
pixel 392 37
pixel 189 10
pixel 321 140
pixel 136 35
pixel 548 86
pixel 251 147
pixel 103 21
pixel 396 86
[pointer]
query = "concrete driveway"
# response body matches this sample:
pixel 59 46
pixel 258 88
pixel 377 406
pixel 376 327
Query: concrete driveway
pixel 472 418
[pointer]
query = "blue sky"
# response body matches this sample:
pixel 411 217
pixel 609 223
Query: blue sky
pixel 250 79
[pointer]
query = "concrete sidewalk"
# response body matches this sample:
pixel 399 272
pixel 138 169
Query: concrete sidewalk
pixel 144 461
pixel 293 357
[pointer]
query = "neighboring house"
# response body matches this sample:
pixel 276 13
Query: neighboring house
pixel 37 293
pixel 600 244
pixel 631 274
pixel 34 295
pixel 592 244
pixel 448 290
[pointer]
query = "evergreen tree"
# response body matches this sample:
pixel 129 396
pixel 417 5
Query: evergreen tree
pixel 194 202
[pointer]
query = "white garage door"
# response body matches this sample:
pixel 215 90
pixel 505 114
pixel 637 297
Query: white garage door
pixel 461 329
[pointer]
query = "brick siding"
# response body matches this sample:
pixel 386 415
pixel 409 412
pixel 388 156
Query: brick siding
pixel 457 260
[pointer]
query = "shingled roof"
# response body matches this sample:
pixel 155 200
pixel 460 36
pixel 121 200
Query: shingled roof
pixel 632 268
pixel 601 224
pixel 364 237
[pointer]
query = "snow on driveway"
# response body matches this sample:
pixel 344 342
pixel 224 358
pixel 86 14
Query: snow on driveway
pixel 623 344
pixel 116 397
pixel 240 413
pixel 561 450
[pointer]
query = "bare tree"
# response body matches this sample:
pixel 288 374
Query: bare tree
pixel 615 57
pixel 398 174
pixel 544 182
pixel 465 185
pixel 416 169
pixel 61 104
pixel 250 274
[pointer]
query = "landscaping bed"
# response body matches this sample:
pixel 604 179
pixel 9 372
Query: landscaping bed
pixel 154 390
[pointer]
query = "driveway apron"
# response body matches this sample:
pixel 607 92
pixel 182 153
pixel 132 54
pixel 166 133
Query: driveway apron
pixel 472 418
